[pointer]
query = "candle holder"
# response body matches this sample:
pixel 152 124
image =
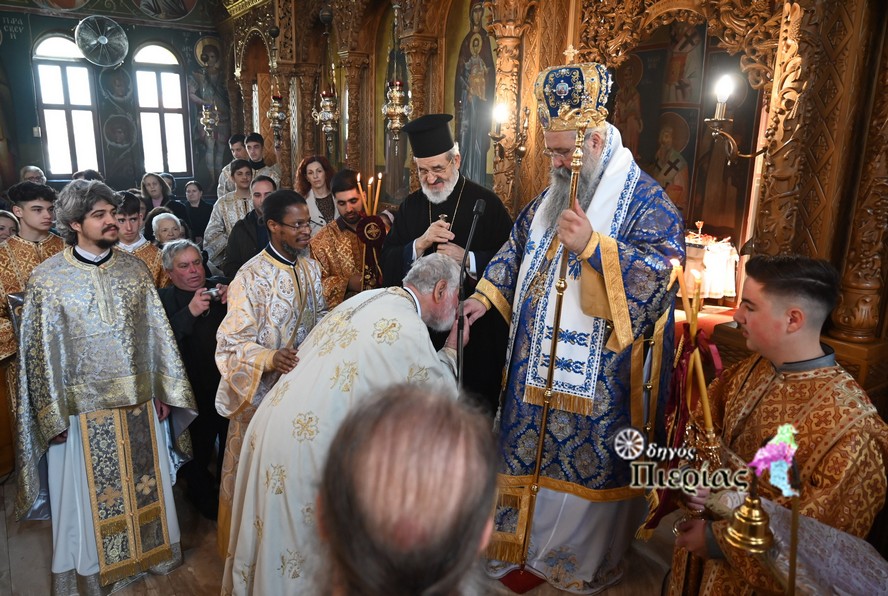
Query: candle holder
pixel 396 110
pixel 521 139
pixel 277 116
pixel 209 118
pixel 719 122
pixel 327 117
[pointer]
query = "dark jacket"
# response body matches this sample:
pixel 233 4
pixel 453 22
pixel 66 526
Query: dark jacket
pixel 244 243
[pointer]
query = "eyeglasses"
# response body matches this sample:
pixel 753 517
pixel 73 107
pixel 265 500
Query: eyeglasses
pixel 298 225
pixel 437 170
pixel 37 179
pixel 562 153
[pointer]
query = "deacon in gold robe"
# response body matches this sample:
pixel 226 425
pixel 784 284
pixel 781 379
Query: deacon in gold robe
pixel 273 302
pixel 367 343
pixel 793 379
pixel 338 249
pixel 103 399
pixel 130 221
pixel 33 205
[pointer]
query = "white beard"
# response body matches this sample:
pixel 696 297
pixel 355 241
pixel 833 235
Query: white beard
pixel 438 197
pixel 444 323
pixel 558 197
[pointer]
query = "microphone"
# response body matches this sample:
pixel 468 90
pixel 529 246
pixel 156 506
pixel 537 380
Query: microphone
pixel 477 212
pixel 480 204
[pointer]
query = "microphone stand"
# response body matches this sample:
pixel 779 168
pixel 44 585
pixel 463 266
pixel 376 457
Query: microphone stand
pixel 476 215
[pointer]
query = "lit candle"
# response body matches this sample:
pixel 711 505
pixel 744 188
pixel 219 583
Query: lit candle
pixel 378 190
pixel 370 194
pixel 361 190
pixel 676 270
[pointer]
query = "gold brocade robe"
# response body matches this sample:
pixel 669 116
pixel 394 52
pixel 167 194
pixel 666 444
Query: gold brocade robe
pixel 271 304
pixel 227 211
pixel 18 258
pixel 153 258
pixel 340 254
pixel 96 347
pixel 842 452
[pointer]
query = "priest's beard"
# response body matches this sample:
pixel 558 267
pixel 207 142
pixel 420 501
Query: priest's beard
pixel 438 197
pixel 558 196
pixel 445 321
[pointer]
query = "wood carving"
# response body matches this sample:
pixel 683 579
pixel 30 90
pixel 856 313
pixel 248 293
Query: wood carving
pixel 776 218
pixel 354 64
pixel 417 51
pixel 306 81
pixel 508 23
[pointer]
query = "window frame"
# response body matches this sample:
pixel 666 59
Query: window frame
pixel 157 70
pixel 66 106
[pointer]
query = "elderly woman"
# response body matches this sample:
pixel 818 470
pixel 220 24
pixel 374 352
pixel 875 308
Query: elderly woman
pixel 8 225
pixel 166 227
pixel 313 182
pixel 156 193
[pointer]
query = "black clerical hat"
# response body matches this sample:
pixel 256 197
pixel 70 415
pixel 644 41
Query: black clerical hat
pixel 430 135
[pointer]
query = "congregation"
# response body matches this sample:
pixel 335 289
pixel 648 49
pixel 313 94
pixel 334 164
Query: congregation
pixel 303 378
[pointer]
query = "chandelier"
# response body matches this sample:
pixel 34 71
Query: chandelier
pixel 277 114
pixel 327 117
pixel 209 117
pixel 397 108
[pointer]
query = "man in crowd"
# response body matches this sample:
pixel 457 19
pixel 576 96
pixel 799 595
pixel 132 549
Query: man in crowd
pixel 338 249
pixel 238 151
pixel 618 239
pixel 437 218
pixel 256 154
pixel 791 379
pixel 102 369
pixel 195 315
pixel 88 174
pixel 372 340
pixel 227 211
pixel 33 205
pixel 408 471
pixel 273 302
pixel 130 222
pixel 249 235
pixel 32 174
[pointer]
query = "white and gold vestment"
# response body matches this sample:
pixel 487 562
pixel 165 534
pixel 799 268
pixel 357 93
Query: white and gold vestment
pixel 272 304
pixel 96 351
pixel 368 342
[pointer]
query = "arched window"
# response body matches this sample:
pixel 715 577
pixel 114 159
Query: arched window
pixel 162 115
pixel 66 106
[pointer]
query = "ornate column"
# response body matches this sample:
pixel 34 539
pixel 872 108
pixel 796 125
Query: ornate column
pixel 509 21
pixel 417 51
pixel 246 90
pixel 856 319
pixel 306 79
pixel 355 66
pixel 794 73
pixel 284 155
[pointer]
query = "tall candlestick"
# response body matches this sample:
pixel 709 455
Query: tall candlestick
pixel 378 190
pixel 685 304
pixel 361 190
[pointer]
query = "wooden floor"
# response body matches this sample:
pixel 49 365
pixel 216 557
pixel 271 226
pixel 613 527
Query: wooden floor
pixel 26 550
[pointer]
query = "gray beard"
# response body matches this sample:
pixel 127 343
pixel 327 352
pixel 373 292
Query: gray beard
pixel 558 196
pixel 439 197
